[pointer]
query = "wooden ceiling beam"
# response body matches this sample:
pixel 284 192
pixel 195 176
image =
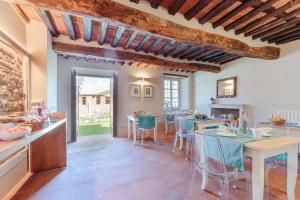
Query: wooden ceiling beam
pixel 283 34
pixel 196 9
pixel 131 38
pixel 178 48
pixel 277 29
pixel 118 34
pixel 143 42
pixel 264 18
pixel 223 58
pixel 274 23
pixel 69 26
pixel 155 3
pixel 216 10
pixel 188 52
pixel 214 56
pixel 185 51
pixel 154 44
pixel 87 28
pixel 20 12
pixel 229 60
pixel 232 13
pixel 48 21
pixel 289 39
pixel 176 6
pixel 250 14
pixel 166 47
pixel 131 57
pixel 154 24
pixel 103 31
pixel 204 54
pixel 195 53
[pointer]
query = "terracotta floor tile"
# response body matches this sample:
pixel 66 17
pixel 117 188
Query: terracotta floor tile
pixel 114 169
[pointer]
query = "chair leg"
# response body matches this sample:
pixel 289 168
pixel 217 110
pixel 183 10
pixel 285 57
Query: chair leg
pixel 142 138
pixel 191 184
pixel 187 148
pixel 175 143
pixel 267 175
pixel 155 136
pixel 181 143
pixel 224 188
pixel 166 126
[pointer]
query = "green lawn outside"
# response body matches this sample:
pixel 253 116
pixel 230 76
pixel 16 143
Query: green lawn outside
pixel 94 129
pixel 94 125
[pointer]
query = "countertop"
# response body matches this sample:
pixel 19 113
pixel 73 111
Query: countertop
pixel 8 148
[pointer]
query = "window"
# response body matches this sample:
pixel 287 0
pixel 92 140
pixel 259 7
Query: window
pixel 171 90
pixel 98 99
pixel 107 99
pixel 83 100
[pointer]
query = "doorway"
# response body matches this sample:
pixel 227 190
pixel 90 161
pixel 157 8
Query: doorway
pixel 93 105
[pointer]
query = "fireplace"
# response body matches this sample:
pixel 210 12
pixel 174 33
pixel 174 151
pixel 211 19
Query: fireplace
pixel 225 109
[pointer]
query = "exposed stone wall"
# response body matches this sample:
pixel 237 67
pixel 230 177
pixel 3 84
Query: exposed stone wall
pixel 12 89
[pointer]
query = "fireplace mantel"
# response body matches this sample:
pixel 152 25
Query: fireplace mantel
pixel 236 109
pixel 228 106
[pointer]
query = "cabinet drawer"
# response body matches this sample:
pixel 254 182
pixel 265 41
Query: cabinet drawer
pixel 12 171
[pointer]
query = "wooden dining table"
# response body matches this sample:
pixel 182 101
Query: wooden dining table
pixel 260 150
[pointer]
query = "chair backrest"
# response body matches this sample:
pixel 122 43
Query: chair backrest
pixel 146 122
pixel 208 147
pixel 186 125
pixel 169 117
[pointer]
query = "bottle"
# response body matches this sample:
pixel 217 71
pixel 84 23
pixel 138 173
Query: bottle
pixel 243 122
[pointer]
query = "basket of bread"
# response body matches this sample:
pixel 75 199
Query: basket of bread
pixel 278 120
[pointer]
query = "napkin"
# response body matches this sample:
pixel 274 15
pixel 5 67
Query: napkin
pixel 261 132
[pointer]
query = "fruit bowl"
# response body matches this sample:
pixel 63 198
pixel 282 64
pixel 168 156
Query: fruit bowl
pixel 14 133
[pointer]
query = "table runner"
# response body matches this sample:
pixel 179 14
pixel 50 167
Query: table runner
pixel 232 147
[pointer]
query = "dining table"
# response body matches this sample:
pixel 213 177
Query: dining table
pixel 260 149
pixel 133 126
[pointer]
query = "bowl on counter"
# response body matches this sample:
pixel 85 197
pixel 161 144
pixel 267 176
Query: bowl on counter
pixel 13 133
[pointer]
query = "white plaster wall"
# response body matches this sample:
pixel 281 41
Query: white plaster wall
pixel 37 39
pixel 12 25
pixel 264 85
pixel 184 93
pixel 127 75
pixel 51 76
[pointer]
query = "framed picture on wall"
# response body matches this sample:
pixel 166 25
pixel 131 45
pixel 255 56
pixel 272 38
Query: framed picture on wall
pixel 135 91
pixel 148 91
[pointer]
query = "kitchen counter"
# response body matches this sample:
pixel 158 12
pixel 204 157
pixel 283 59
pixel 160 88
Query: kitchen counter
pixel 41 150
pixel 8 148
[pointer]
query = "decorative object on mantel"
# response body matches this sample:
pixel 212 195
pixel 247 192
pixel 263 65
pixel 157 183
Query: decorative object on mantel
pixel 13 79
pixel 226 88
pixel 225 109
pixel 148 91
pixel 212 100
pixel 135 91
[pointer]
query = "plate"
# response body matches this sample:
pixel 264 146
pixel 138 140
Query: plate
pixel 226 134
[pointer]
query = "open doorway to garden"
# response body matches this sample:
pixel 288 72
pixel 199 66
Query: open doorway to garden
pixel 94 105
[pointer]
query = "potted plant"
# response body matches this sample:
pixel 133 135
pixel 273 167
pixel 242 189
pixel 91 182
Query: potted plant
pixel 212 100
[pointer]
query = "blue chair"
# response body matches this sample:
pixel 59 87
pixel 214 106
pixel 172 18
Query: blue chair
pixel 184 130
pixel 145 124
pixel 169 119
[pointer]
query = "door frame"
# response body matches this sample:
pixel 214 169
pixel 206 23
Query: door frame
pixel 74 101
